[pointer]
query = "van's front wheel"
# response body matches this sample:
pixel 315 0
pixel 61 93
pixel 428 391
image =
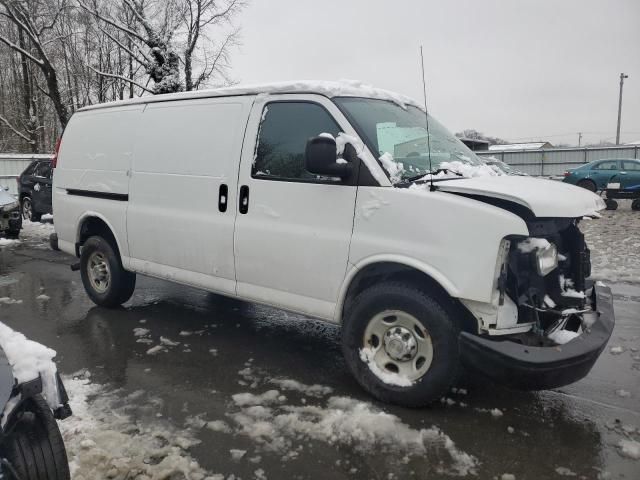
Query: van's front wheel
pixel 401 344
pixel 106 282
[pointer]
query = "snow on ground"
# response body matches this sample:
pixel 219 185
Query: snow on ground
pixel 109 437
pixel 33 234
pixel 630 448
pixel 5 242
pixel 280 427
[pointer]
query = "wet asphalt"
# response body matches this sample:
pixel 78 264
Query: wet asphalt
pixel 539 435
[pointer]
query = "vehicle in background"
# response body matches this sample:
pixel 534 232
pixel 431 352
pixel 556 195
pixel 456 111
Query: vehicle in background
pixel 10 219
pixel 494 162
pixel 34 190
pixel 595 176
pixel 336 201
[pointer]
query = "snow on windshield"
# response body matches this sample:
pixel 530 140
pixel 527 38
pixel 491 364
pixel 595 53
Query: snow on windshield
pixel 398 137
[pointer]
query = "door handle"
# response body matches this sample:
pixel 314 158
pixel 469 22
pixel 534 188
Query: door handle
pixel 244 199
pixel 223 196
pixel 623 173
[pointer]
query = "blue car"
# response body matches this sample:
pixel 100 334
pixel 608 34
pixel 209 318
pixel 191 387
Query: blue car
pixel 596 175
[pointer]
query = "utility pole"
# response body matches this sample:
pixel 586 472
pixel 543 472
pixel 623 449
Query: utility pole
pixel 622 77
pixel 579 139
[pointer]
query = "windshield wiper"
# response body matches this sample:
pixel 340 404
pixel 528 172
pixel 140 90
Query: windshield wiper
pixel 416 178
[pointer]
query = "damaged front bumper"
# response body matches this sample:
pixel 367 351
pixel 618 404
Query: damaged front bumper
pixel 541 367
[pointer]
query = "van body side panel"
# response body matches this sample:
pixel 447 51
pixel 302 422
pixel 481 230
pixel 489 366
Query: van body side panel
pixel 183 154
pixel 93 163
pixel 453 239
pixel 292 245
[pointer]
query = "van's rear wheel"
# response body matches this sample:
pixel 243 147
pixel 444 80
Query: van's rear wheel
pixel 35 449
pixel 106 282
pixel 401 344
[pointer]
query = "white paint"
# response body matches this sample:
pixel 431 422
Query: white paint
pixel 545 198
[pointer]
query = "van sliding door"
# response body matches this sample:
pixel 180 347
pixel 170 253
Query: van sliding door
pixel 184 173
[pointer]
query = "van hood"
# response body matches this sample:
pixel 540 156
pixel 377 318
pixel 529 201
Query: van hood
pixel 545 198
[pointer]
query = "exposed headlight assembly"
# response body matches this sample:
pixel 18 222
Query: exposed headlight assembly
pixel 546 259
pixel 10 206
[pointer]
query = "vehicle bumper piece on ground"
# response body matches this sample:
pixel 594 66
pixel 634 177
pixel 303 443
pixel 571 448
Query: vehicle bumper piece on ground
pixel 537 368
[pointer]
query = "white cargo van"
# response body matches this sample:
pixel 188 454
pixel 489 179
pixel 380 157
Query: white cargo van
pixel 329 199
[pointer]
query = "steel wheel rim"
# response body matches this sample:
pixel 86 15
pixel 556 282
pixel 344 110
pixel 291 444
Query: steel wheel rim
pixel 26 209
pixel 399 344
pixel 99 272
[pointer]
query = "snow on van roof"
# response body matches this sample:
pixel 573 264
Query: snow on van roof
pixel 342 88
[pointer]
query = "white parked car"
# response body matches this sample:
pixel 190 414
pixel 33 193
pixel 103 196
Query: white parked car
pixel 316 198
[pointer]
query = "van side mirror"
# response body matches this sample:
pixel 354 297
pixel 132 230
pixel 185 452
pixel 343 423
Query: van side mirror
pixel 321 158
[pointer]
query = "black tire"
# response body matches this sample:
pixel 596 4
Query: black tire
pixel 587 184
pixel 35 447
pixel 27 211
pixel 432 314
pixel 635 205
pixel 611 204
pixel 13 234
pixel 121 283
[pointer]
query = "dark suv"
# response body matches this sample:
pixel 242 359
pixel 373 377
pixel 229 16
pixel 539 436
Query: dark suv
pixel 34 188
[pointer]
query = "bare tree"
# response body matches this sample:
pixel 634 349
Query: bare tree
pixel 198 17
pixel 57 56
pixel 35 19
pixel 148 40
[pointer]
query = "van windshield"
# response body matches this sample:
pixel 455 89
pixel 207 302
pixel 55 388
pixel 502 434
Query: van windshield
pixel 399 135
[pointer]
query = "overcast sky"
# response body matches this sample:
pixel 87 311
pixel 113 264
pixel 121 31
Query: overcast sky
pixel 516 69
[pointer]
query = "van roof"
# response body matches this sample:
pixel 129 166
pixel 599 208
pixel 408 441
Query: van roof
pixel 342 88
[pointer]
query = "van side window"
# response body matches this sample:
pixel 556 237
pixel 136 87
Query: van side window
pixel 282 139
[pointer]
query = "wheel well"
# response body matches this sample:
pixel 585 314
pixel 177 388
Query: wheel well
pixel 22 195
pixel 389 271
pixel 94 226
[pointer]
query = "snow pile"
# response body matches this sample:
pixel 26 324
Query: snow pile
pixel 36 233
pixel 30 359
pixel 5 242
pixel 390 378
pixel 309 390
pixel 249 399
pixel 140 332
pixel 343 422
pixel 629 448
pixel 9 301
pixel 565 472
pixel 105 440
